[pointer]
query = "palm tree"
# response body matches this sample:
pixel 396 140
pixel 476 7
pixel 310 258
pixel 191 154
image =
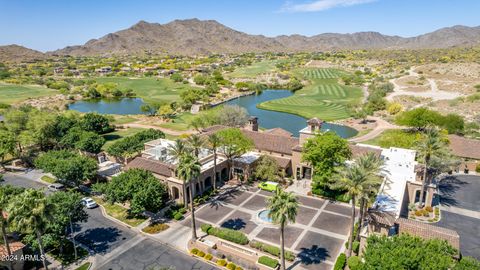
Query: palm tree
pixel 371 164
pixel 196 143
pixel 283 208
pixel 431 146
pixel 213 143
pixel 6 194
pixel 177 150
pixel 29 213
pixel 356 182
pixel 189 169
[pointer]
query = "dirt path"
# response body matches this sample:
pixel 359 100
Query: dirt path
pixel 434 93
pixel 165 130
pixel 382 125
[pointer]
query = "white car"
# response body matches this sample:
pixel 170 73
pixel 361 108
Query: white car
pixel 56 187
pixel 89 203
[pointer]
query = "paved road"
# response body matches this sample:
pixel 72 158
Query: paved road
pixel 114 245
pixel 461 210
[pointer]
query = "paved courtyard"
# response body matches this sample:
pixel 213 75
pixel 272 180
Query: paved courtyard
pixel 318 235
pixel 460 205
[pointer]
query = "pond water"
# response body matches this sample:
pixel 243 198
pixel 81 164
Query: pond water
pixel 267 119
pixel 290 122
pixel 109 106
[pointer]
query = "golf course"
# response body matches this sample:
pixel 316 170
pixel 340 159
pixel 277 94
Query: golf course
pixel 13 93
pixel 324 97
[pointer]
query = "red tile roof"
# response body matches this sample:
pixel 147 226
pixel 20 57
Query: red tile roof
pixel 282 162
pixel 151 165
pixel 359 150
pixel 14 247
pixel 464 147
pixel 427 231
pixel 279 132
pixel 271 142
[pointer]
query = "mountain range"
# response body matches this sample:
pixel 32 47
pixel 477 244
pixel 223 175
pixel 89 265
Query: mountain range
pixel 193 37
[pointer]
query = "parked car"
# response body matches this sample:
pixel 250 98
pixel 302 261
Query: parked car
pixel 268 186
pixel 56 187
pixel 89 203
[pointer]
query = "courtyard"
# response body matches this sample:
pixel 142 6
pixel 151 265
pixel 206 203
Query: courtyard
pixel 318 236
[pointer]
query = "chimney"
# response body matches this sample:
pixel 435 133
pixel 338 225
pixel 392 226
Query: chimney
pixel 253 123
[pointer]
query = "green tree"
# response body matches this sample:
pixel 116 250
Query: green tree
pixel 7 193
pixel 150 108
pixel 355 180
pixel 454 123
pixel 176 77
pixel 196 143
pixel 233 144
pixel 431 146
pixel 407 252
pixel 96 123
pixel 132 145
pixel 166 111
pixel 7 145
pixel 283 208
pixel 29 213
pixel 325 152
pixel 266 169
pixel 188 170
pixel 68 167
pixel 86 141
pixel 233 116
pixel 213 142
pixel 418 118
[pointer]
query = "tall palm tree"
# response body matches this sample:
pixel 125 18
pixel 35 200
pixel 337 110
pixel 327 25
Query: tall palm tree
pixel 371 164
pixel 431 146
pixel 196 143
pixel 7 192
pixel 355 181
pixel 188 170
pixel 283 208
pixel 29 213
pixel 177 150
pixel 213 143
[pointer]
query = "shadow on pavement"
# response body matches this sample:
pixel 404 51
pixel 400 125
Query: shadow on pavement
pixel 99 239
pixel 234 224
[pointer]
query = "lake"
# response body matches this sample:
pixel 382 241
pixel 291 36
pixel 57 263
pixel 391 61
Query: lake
pixel 267 119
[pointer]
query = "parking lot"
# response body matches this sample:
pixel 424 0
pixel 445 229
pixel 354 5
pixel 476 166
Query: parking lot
pixel 317 236
pixel 460 205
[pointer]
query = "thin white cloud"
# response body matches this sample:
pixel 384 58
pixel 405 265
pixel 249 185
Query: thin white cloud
pixel 321 5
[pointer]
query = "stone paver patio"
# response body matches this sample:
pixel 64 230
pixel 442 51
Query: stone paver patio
pixel 318 235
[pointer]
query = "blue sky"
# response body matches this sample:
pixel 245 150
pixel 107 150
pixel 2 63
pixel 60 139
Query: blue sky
pixel 51 24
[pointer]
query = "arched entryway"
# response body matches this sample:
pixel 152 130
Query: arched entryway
pixel 175 193
pixel 208 183
pixel 197 189
pixel 224 174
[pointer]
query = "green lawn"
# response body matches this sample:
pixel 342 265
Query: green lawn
pixel 13 93
pixel 48 179
pixel 150 89
pixel 395 138
pixel 119 134
pixel 324 98
pixel 123 119
pixel 254 69
pixel 121 213
pixel 84 266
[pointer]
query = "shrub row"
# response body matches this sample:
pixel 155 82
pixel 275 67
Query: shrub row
pixel 272 250
pixel 227 234
pixel 340 263
pixel 176 212
pixel 354 263
pixel 265 260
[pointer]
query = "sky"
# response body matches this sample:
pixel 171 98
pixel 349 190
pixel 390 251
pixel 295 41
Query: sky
pixel 47 25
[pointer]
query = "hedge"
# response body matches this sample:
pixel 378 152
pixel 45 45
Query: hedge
pixel 355 246
pixel 227 234
pixel 208 257
pixel 178 216
pixel 221 262
pixel 340 263
pixel 265 260
pixel 231 266
pixel 354 262
pixel 272 250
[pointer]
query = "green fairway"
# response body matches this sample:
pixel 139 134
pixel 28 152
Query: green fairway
pixel 254 69
pixel 324 98
pixel 150 89
pixel 13 93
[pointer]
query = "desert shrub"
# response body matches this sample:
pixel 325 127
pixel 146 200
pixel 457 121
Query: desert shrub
pixel 200 253
pixel 418 213
pixel 178 216
pixel 354 263
pixel 221 262
pixel 208 257
pixel 272 250
pixel 229 235
pixel 340 263
pixel 231 266
pixel 265 260
pixel 194 251
pixel 155 228
pixel 429 209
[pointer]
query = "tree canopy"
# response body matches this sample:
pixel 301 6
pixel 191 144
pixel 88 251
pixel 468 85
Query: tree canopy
pixel 131 145
pixel 266 169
